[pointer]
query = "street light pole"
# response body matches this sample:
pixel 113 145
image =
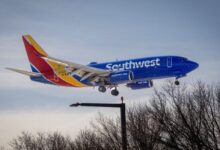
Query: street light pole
pixel 123 126
pixel 123 116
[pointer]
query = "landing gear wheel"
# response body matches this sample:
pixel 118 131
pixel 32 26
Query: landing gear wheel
pixel 114 92
pixel 102 89
pixel 177 82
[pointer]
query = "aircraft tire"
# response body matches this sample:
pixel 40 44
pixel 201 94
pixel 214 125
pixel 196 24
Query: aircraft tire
pixel 177 82
pixel 115 92
pixel 102 89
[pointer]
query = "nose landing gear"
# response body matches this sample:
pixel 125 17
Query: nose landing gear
pixel 177 82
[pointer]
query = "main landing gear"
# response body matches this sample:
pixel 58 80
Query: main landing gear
pixel 114 91
pixel 102 89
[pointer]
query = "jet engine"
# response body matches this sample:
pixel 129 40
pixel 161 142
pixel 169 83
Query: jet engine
pixel 140 84
pixel 121 77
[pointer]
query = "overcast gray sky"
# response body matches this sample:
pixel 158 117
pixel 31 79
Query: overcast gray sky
pixel 92 30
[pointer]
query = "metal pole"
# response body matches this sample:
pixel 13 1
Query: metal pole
pixel 123 127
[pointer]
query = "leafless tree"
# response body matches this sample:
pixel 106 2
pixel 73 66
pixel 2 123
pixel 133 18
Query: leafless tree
pixel 41 141
pixel 142 130
pixel 88 140
pixel 177 118
pixel 189 117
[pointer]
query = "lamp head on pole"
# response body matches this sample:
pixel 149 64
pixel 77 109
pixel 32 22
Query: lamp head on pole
pixel 122 99
pixel 75 105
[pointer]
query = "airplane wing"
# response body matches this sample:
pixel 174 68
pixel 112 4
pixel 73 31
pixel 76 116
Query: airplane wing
pixel 94 74
pixel 28 73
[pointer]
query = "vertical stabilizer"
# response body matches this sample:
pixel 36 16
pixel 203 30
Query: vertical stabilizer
pixel 35 55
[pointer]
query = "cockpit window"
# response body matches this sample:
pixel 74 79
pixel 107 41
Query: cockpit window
pixel 179 59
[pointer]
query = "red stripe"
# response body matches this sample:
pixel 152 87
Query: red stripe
pixel 41 65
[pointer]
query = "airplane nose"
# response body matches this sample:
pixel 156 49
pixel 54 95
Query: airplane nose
pixel 193 65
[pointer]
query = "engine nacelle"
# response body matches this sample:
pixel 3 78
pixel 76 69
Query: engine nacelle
pixel 121 77
pixel 140 84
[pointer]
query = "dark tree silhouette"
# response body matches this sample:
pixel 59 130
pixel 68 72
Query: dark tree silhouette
pixel 42 141
pixel 189 117
pixel 180 118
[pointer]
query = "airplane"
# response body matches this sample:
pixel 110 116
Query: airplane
pixel 134 73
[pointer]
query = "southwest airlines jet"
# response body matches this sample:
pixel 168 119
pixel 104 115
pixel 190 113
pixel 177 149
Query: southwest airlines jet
pixel 134 73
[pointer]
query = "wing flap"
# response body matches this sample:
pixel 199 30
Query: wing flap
pixel 85 72
pixel 80 67
pixel 86 76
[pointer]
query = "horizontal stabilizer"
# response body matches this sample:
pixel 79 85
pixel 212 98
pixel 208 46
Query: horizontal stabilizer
pixel 28 73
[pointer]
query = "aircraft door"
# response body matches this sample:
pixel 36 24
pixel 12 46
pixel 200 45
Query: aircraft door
pixel 169 62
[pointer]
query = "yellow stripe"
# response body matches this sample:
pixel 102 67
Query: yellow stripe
pixel 62 73
pixel 36 46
